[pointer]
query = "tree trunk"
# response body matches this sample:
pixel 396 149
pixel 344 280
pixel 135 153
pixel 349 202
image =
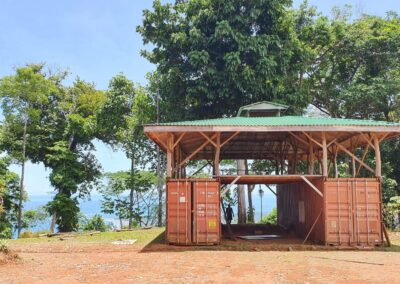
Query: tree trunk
pixel 241 194
pixel 21 185
pixel 131 194
pixel 250 188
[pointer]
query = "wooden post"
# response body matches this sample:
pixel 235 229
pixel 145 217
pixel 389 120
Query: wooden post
pixel 310 160
pixel 217 154
pixel 170 155
pixel 324 156
pixel 353 164
pixel 378 167
pixel 335 162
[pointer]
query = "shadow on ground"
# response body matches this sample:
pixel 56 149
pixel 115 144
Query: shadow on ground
pixel 286 242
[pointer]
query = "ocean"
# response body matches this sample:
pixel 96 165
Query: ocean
pixel 93 206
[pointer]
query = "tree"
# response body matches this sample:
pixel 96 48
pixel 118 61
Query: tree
pixel 9 197
pixel 130 107
pixel 22 97
pixel 116 195
pixel 215 56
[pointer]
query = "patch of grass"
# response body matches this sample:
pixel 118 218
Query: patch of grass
pixel 4 246
pixel 141 237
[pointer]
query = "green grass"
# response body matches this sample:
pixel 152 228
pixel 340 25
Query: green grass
pixel 141 237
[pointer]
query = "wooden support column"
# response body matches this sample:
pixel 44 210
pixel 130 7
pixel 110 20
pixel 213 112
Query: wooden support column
pixel 335 162
pixel 378 167
pixel 310 159
pixel 324 156
pixel 217 154
pixel 170 155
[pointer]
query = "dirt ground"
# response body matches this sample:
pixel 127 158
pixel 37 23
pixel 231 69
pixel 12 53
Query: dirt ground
pixel 76 262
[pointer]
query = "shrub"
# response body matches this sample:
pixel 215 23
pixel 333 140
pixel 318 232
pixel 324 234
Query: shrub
pixel 270 218
pixel 96 223
pixel 4 246
pixel 28 235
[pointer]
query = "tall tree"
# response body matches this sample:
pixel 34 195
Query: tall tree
pixel 23 97
pixel 121 117
pixel 215 56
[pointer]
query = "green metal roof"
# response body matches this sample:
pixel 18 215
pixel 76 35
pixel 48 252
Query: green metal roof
pixel 280 121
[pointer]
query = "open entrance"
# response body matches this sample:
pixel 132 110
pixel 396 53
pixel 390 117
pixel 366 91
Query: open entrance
pixel 330 211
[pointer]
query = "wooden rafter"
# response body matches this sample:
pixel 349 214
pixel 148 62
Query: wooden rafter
pixel 383 137
pixel 312 139
pixel 299 138
pixel 363 158
pixel 197 150
pixel 179 139
pixel 208 138
pixel 355 157
pixel 367 140
pixel 230 138
pixel 161 142
pixel 312 186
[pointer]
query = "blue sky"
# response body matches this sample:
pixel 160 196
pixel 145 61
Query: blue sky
pixel 95 39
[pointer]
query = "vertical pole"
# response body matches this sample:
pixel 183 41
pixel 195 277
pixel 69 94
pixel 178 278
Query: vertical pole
pixel 324 156
pixel 217 154
pixel 170 155
pixel 310 160
pixel 335 162
pixel 378 168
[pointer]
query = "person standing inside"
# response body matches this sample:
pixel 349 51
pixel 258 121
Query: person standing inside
pixel 229 214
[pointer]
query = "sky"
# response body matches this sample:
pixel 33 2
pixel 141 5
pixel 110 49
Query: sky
pixel 96 39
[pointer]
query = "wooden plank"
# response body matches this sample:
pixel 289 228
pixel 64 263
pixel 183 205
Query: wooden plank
pixel 356 158
pixel 312 186
pixel 363 158
pixel 229 186
pixel 208 138
pixel 217 154
pixel 230 138
pixel 312 139
pixel 179 139
pixel 367 140
pixel 266 179
pixel 378 166
pixel 324 156
pixel 299 138
pixel 312 227
pixel 170 155
pixel 196 151
pixel 267 185
pixel 311 160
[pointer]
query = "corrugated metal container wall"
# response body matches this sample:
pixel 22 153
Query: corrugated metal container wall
pixel 299 206
pixel 206 212
pixel 353 211
pixel 179 211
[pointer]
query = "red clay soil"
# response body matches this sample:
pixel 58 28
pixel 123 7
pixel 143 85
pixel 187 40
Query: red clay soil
pixel 105 263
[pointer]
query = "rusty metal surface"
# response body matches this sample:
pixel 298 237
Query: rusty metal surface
pixel 206 212
pixel 353 211
pixel 299 206
pixel 178 212
pixel 193 211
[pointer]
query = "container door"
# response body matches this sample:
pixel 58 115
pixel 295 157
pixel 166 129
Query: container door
pixel 206 212
pixel 366 212
pixel 178 212
pixel 338 211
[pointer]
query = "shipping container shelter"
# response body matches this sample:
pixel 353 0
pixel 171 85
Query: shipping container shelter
pixel 312 200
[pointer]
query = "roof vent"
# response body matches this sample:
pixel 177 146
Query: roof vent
pixel 262 109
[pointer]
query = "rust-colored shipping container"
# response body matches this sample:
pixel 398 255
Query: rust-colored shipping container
pixel 179 207
pixel 349 213
pixel 193 211
pixel 353 211
pixel 206 212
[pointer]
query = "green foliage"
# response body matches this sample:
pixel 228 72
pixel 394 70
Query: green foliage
pixel 96 223
pixel 66 210
pixel 4 246
pixel 9 193
pixel 214 56
pixel 391 212
pixel 271 217
pixel 33 217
